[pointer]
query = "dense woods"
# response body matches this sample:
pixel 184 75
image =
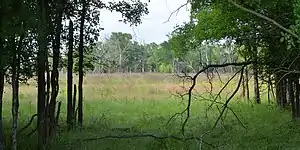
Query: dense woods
pixel 40 39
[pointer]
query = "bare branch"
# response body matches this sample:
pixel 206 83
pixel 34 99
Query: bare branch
pixel 228 100
pixel 28 124
pixel 194 81
pixel 219 94
pixel 176 11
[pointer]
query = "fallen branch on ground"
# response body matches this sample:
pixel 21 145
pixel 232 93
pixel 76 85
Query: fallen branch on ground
pixel 144 136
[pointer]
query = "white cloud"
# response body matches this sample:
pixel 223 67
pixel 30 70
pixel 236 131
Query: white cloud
pixel 153 28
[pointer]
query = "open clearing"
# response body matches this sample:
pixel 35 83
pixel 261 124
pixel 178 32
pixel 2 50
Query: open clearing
pixel 136 104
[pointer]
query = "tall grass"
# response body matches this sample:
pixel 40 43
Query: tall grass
pixel 117 104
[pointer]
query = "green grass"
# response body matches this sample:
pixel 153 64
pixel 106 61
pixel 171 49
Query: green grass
pixel 138 104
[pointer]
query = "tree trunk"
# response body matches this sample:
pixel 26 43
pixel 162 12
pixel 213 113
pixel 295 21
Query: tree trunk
pixel 74 105
pixel 255 73
pixel 70 107
pixel 283 92
pixel 269 88
pixel 280 90
pixel 80 66
pixel 2 74
pixel 297 94
pixel 15 91
pixel 55 73
pixel 243 86
pixel 247 84
pixel 41 67
pixel 291 95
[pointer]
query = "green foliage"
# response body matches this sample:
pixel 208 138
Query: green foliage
pixel 182 40
pixel 89 60
pixel 165 68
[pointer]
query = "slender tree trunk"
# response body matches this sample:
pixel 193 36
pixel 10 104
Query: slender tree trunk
pixel 80 66
pixel 70 107
pixel 291 95
pixel 74 105
pixel 255 73
pixel 243 86
pixel 41 67
pixel 2 74
pixel 284 93
pixel 15 91
pixel 55 73
pixel 269 88
pixel 247 83
pixel 280 90
pixel 297 98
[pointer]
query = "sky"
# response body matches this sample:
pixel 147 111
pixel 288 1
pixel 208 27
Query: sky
pixel 154 27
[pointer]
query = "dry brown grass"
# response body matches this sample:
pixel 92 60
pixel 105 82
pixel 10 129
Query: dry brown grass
pixel 135 86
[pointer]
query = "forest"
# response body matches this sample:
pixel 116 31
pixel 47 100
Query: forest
pixel 226 79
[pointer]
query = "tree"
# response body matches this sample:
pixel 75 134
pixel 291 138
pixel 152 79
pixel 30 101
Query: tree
pixel 264 41
pixel 70 108
pixel 80 64
pixel 41 68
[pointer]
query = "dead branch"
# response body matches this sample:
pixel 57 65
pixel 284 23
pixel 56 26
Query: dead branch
pixel 29 123
pixel 194 82
pixel 145 136
pixel 223 88
pixel 176 11
pixel 34 130
pixel 228 100
pixel 229 108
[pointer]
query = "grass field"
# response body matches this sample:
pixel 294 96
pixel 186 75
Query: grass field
pixel 124 105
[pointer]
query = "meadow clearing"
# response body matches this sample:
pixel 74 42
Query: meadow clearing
pixel 136 104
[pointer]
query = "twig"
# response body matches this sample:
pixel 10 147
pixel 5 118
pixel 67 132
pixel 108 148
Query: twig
pixel 176 11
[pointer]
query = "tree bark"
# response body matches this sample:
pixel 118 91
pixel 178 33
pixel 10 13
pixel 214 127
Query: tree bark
pixel 243 86
pixel 247 84
pixel 80 65
pixel 280 90
pixel 291 95
pixel 41 59
pixel 255 74
pixel 283 92
pixel 297 98
pixel 269 88
pixel 2 75
pixel 15 91
pixel 70 107
pixel 74 105
pixel 55 73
